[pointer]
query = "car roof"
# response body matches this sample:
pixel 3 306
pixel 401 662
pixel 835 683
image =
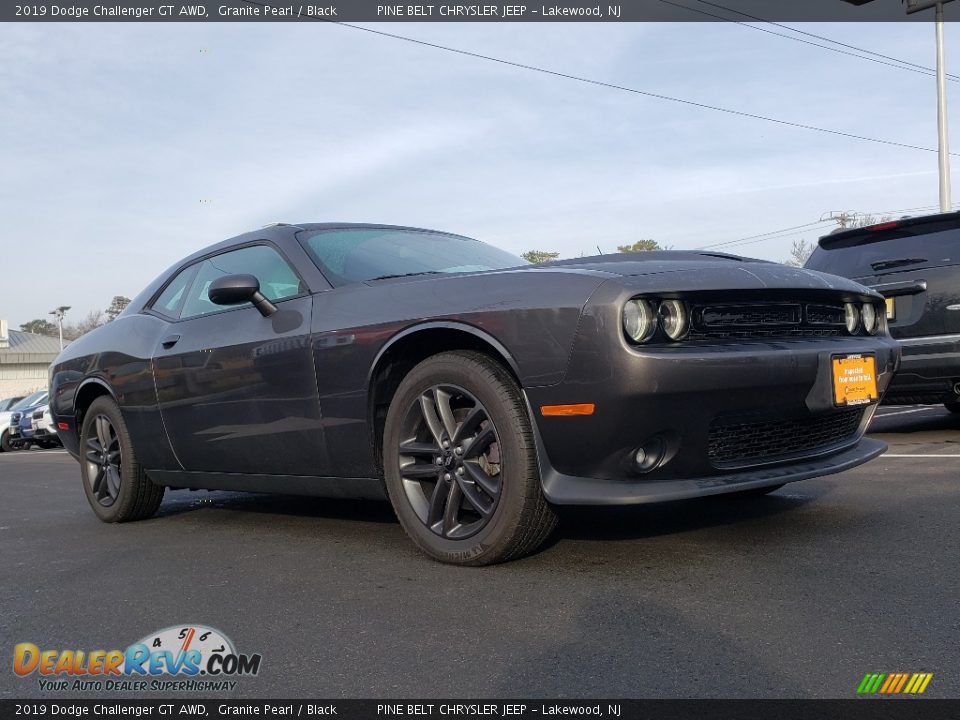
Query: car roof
pixel 904 227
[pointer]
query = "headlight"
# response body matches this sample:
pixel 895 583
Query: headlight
pixel 869 314
pixel 851 317
pixel 639 320
pixel 674 319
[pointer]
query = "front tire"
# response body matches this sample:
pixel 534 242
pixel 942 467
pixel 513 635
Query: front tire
pixel 116 487
pixel 460 464
pixel 5 445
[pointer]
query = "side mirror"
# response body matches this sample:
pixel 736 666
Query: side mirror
pixel 236 289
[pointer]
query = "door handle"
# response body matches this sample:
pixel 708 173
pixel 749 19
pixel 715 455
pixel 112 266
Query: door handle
pixel 170 341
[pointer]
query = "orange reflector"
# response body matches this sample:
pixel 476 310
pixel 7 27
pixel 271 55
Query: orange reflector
pixel 566 410
pixel 63 426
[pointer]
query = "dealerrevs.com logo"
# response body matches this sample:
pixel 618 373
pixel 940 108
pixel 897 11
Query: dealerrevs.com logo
pixel 181 657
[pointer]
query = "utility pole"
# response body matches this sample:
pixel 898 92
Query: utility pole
pixel 842 217
pixel 58 315
pixel 944 144
pixel 943 141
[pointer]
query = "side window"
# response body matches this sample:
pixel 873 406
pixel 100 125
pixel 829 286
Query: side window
pixel 277 278
pixel 168 304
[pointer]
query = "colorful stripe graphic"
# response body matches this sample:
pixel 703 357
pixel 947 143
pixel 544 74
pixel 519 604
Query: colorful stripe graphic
pixel 894 683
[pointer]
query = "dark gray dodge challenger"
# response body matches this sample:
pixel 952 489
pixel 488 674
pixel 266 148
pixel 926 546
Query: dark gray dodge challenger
pixel 472 390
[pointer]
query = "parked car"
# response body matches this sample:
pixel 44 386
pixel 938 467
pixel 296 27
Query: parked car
pixel 21 424
pixel 6 425
pixel 37 428
pixel 7 403
pixel 472 390
pixel 915 264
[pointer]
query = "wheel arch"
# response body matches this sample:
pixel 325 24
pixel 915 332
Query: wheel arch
pixel 414 345
pixel 88 391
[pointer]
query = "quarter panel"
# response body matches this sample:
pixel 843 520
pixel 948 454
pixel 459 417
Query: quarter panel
pixel 534 316
pixel 117 355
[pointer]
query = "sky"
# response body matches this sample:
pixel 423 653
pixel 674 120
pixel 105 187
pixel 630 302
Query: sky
pixel 125 147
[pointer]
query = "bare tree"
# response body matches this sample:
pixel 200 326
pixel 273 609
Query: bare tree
pixel 865 220
pixel 800 253
pixel 93 320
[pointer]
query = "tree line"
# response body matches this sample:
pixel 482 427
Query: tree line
pixel 799 253
pixel 72 330
pixel 542 256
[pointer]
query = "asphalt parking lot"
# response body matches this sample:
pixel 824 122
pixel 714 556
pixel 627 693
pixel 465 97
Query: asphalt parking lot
pixel 798 594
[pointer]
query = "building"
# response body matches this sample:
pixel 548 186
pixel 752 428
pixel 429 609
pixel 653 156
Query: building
pixel 24 359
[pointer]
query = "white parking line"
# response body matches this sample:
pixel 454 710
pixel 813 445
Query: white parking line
pixel 907 455
pixel 903 412
pixel 38 452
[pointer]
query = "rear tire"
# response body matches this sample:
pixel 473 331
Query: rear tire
pixel 460 463
pixel 115 484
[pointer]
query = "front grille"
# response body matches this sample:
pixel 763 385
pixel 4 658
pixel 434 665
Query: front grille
pixel 825 315
pixel 763 333
pixel 746 443
pixel 766 320
pixel 734 316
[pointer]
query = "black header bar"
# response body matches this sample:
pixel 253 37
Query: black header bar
pixel 516 11
pixel 421 709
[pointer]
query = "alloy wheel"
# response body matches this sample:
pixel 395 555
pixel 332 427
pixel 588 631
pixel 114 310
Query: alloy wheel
pixel 450 462
pixel 104 458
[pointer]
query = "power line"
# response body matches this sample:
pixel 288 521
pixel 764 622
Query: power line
pixel 898 64
pixel 623 88
pixel 818 37
pixel 801 229
pixel 771 235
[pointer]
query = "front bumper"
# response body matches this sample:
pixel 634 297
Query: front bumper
pixel 568 490
pixel 691 399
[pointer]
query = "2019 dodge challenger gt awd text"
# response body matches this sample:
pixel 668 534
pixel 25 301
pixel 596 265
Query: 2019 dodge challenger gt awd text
pixel 473 391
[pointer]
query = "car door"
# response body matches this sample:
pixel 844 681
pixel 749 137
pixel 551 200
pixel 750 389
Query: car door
pixel 237 391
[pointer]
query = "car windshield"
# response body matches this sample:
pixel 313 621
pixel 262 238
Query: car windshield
pixel 30 400
pixel 347 255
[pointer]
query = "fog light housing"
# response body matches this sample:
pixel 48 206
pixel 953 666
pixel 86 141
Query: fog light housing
pixel 649 455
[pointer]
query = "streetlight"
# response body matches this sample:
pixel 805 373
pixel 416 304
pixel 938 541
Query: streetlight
pixel 58 315
pixel 943 145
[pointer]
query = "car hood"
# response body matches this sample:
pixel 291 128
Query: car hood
pixel 693 271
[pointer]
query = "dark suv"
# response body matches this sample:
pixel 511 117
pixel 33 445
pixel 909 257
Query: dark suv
pixel 915 264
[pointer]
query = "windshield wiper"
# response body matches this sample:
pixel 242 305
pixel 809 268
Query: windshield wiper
pixel 422 272
pixel 887 264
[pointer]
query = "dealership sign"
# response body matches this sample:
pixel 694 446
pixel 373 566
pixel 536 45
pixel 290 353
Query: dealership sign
pixel 193 657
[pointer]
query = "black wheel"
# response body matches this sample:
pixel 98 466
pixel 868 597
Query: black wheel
pixel 460 464
pixel 115 485
pixel 953 407
pixel 5 445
